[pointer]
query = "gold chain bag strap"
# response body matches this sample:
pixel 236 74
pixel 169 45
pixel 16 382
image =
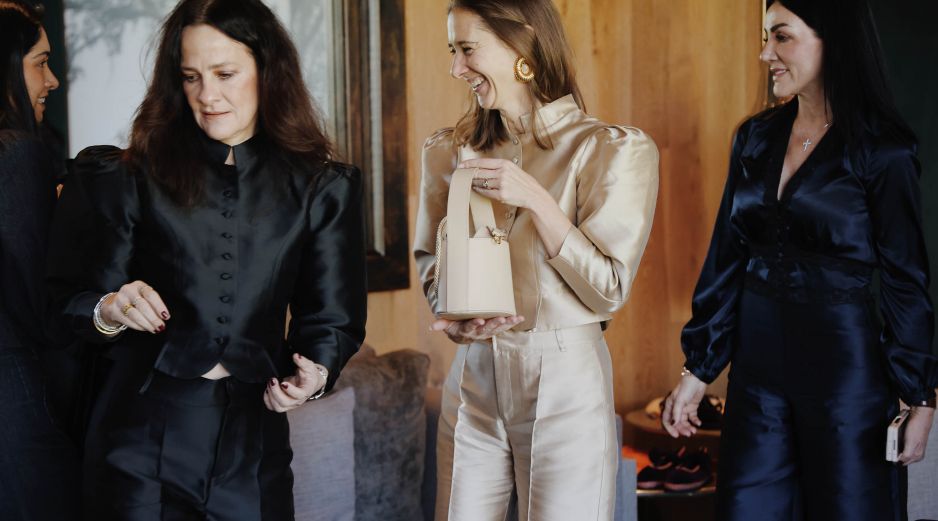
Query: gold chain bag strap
pixel 472 276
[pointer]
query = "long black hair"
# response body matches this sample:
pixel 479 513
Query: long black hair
pixel 20 30
pixel 853 68
pixel 164 135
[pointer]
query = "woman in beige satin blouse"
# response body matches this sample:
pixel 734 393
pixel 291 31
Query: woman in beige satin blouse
pixel 533 411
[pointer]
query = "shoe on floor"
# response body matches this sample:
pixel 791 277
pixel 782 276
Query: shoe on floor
pixel 710 412
pixel 692 472
pixel 662 462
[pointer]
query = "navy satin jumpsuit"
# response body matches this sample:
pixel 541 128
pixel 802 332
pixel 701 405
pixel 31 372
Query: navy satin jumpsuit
pixel 786 296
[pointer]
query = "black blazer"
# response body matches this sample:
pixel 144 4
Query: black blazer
pixel 261 239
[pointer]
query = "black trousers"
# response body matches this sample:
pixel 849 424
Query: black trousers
pixel 186 450
pixel 804 434
pixel 39 474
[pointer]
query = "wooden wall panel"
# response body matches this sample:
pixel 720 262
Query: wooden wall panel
pixel 400 319
pixel 684 71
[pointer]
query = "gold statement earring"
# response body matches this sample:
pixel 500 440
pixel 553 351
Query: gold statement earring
pixel 523 72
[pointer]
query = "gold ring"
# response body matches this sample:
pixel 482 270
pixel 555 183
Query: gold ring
pixel 125 309
pixel 138 299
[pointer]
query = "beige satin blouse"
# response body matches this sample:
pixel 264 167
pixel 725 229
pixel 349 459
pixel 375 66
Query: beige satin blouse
pixel 604 177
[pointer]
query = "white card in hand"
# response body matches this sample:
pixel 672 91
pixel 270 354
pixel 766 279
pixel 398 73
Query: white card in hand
pixel 894 436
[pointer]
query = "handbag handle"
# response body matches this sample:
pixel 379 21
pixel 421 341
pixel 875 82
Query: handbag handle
pixel 461 201
pixel 464 202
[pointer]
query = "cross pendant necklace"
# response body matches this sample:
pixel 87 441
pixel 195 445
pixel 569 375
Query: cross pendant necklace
pixel 807 142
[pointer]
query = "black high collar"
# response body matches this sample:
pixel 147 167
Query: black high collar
pixel 246 154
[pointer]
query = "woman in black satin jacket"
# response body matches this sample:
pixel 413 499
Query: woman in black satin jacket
pixel 38 464
pixel 822 193
pixel 224 210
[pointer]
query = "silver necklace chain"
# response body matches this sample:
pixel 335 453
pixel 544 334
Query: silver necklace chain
pixel 807 142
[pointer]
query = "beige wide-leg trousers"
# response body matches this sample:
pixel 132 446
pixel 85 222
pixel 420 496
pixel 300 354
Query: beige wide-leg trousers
pixel 531 411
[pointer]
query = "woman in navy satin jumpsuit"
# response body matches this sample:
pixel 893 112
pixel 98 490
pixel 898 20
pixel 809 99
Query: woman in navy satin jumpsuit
pixel 822 194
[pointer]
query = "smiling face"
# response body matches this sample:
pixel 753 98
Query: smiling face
pixel 793 52
pixel 39 78
pixel 484 62
pixel 219 77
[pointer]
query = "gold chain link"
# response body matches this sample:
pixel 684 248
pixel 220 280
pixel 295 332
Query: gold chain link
pixel 440 235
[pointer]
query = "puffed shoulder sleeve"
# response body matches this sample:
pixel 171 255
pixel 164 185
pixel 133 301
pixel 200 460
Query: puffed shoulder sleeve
pixel 437 165
pixel 617 187
pixel 92 237
pixel 329 303
pixel 895 201
pixel 707 339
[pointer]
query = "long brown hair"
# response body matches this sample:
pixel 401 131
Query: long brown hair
pixel 165 139
pixel 533 29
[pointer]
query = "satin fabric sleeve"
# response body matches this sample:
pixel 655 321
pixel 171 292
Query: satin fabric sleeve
pixel 617 188
pixel 895 203
pixel 707 339
pixel 329 303
pixel 25 203
pixel 92 239
pixel 438 162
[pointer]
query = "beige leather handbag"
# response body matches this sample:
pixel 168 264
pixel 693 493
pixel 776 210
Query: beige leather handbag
pixel 473 265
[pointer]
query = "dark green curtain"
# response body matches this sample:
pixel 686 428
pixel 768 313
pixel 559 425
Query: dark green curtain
pixel 907 31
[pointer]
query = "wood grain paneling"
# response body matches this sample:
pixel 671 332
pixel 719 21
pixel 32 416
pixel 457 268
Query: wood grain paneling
pixel 684 71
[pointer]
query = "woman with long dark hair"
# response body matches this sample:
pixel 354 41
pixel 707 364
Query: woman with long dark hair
pixel 38 464
pixel 822 194
pixel 225 209
pixel 528 405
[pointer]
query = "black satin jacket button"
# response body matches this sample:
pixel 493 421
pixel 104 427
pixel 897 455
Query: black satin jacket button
pixel 295 228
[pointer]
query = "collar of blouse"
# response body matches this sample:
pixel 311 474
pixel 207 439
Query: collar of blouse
pixel 549 114
pixel 246 154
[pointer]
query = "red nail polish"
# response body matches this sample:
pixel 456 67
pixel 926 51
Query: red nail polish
pixel 165 315
pixel 272 382
pixel 284 386
pixel 161 329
